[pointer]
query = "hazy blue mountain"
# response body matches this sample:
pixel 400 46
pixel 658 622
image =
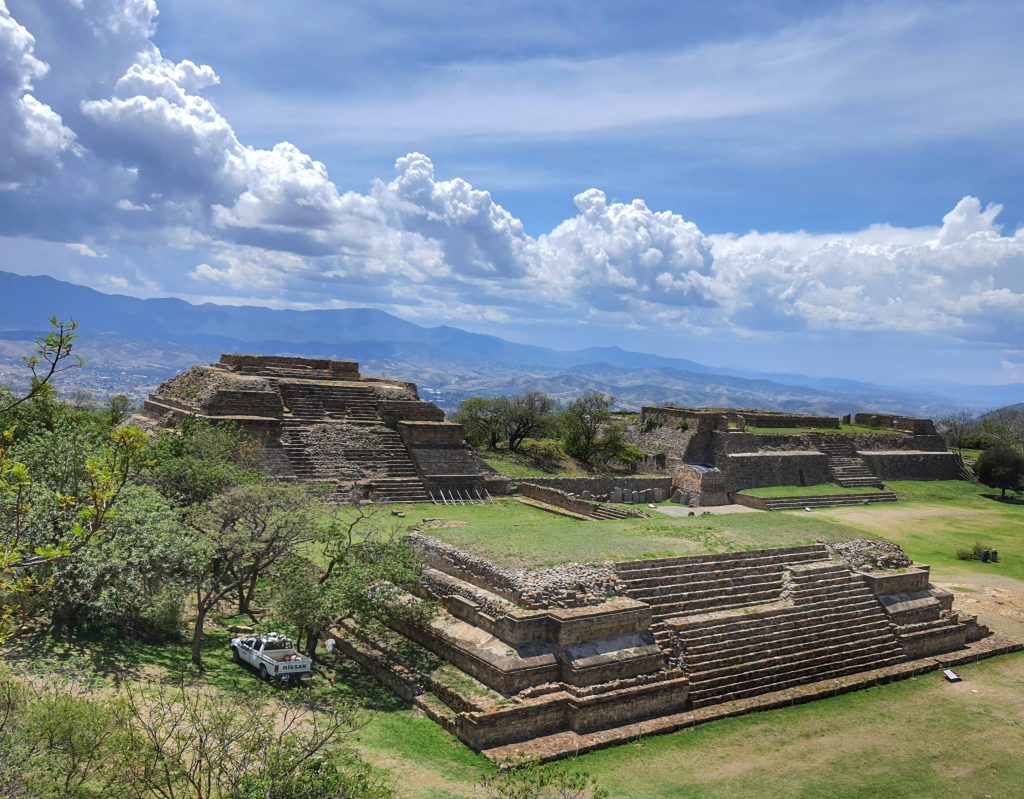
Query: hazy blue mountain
pixel 133 344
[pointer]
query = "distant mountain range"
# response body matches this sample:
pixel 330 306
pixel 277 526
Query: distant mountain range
pixel 131 345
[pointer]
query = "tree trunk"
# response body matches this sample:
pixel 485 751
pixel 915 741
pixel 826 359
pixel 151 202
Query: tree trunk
pixel 313 638
pixel 246 596
pixel 197 638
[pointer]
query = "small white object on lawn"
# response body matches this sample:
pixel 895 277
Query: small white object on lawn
pixel 951 675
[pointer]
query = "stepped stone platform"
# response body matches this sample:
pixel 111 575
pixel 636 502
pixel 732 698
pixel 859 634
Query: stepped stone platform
pixel 712 453
pixel 812 500
pixel 579 656
pixel 322 422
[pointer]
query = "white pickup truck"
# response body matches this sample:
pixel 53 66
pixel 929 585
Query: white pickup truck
pixel 272 655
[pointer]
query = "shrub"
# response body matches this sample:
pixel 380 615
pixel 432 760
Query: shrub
pixel 974 553
pixel 546 455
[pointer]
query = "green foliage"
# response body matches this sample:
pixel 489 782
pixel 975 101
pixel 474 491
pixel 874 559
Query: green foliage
pixel 482 419
pixel 1001 467
pixel 59 742
pixel 200 460
pixel 362 571
pixel 590 434
pixel 130 580
pixel 975 552
pixel 236 538
pixel 490 421
pixel 581 422
pixel 541 782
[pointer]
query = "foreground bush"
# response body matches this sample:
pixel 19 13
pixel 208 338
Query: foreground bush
pixel 57 740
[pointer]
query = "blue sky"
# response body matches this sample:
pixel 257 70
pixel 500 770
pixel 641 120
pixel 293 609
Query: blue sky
pixel 823 187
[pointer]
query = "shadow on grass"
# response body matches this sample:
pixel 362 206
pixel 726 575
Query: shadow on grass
pixel 1005 500
pixel 104 657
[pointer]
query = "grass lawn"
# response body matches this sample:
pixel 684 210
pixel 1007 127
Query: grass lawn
pixel 859 746
pixel 934 519
pixel 822 490
pixel 518 535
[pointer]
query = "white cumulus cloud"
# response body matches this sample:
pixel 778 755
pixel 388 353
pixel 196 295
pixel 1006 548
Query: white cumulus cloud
pixel 32 135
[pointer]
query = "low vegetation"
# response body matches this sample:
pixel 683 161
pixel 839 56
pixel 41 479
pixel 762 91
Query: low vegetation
pixel 528 435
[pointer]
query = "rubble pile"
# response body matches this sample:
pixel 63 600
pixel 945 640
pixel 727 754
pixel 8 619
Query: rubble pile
pixel 863 554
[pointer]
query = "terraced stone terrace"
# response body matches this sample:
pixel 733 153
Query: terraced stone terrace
pixel 671 639
pixel 321 421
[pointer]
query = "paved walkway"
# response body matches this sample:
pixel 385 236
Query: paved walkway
pixel 717 510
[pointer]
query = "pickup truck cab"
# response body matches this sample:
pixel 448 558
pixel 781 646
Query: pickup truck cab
pixel 272 655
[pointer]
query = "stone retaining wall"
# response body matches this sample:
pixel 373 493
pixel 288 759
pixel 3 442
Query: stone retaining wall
pixel 599 485
pixel 561 499
pixel 897 465
pixel 757 469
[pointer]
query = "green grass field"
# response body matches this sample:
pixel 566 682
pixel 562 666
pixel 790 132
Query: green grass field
pixel 918 738
pixel 518 535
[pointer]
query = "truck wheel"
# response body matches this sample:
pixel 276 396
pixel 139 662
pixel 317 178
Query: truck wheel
pixel 263 672
pixel 234 655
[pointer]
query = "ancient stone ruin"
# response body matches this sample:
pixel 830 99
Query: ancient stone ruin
pixel 712 454
pixel 570 658
pixel 320 421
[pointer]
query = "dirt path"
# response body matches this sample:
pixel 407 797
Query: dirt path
pixel 997 601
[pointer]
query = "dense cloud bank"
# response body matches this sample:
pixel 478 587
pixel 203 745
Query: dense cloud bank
pixel 109 144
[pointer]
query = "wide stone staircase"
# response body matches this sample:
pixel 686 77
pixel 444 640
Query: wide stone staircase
pixel 315 401
pixel 742 624
pixel 385 467
pixel 686 586
pixel 847 467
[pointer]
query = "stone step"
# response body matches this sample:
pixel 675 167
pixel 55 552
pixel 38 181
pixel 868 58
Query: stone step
pixel 676 609
pixel 712 589
pixel 735 624
pixel 758 669
pixel 710 697
pixel 779 555
pixel 707 648
pixel 769 667
pixel 652 588
pixel 734 562
pixel 776 644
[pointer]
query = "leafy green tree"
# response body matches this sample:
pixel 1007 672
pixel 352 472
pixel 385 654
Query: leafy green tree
pixel 32 542
pixel 238 536
pixel 1002 468
pixel 581 422
pixel 484 420
pixel 199 460
pixel 117 409
pixel 529 415
pixel 130 580
pixel 364 573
